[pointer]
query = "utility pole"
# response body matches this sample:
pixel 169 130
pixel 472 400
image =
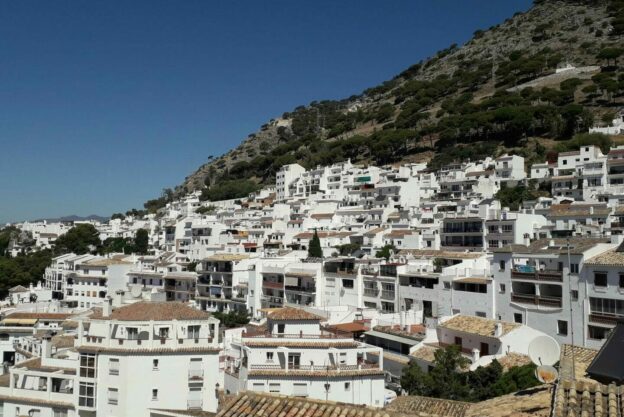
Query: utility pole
pixel 571 313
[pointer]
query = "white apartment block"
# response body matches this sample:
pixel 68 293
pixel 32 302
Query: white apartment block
pixel 292 355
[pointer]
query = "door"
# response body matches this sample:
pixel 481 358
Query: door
pixel 427 308
pixel 485 349
pixel 458 341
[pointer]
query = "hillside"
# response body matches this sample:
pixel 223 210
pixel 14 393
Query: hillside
pixel 495 93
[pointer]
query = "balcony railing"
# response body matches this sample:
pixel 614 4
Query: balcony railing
pixel 538 275
pixel 371 292
pixel 387 295
pixel 604 318
pixel 301 289
pixel 537 300
pixel 274 285
pixel 293 367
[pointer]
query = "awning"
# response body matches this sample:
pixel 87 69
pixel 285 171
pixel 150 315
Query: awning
pixel 19 322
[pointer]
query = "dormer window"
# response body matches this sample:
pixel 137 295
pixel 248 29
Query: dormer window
pixel 133 333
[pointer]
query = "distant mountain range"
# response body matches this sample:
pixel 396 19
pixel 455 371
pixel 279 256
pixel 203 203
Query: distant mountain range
pixel 73 218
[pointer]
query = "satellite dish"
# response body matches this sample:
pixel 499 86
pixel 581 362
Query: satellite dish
pixel 544 350
pixel 546 374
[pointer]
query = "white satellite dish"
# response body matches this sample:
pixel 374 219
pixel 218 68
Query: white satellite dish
pixel 544 350
pixel 546 374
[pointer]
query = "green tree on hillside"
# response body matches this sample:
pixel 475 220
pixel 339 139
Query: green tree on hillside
pixel 141 241
pixel 315 250
pixel 80 239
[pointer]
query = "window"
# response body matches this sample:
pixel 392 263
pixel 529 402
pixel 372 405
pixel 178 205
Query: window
pixel 343 358
pixel 87 365
pixel 59 412
pixel 347 386
pixel 518 317
pixel 562 327
pixel 574 268
pixel 163 332
pixel 154 394
pixel 621 281
pixel 300 389
pixel 502 288
pixel 574 295
pixel 480 314
pixel 133 333
pixel 447 285
pixel 281 328
pixel 274 387
pixel 113 366
pixel 193 332
pixel 600 279
pixel 155 364
pixel 507 228
pixel 501 265
pixel 347 283
pixel 294 360
pixel 597 333
pixel 86 394
pixel 113 396
pixel 269 356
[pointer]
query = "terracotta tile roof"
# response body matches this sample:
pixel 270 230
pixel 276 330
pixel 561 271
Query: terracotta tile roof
pixel 576 369
pixel 569 153
pixel 63 341
pixel 34 401
pixel 416 406
pixel 513 359
pixel 375 231
pixel 289 313
pixel 607 258
pixel 227 257
pixel 575 398
pixel 477 325
pixel 106 262
pixel 352 327
pixel 40 316
pixel 578 210
pixel 578 245
pixel 425 353
pixel 158 311
pixel 534 402
pixel 252 404
pixel 319 216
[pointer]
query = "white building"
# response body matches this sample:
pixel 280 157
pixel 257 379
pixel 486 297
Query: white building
pixel 294 356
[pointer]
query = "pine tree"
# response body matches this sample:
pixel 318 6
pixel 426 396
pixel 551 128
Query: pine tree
pixel 315 250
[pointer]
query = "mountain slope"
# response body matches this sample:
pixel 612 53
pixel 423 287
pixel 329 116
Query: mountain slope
pixel 473 95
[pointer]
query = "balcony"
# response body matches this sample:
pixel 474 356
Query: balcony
pixel 538 275
pixel 604 318
pixel 371 292
pixel 387 295
pixel 537 300
pixel 273 285
pixel 318 368
pixel 307 290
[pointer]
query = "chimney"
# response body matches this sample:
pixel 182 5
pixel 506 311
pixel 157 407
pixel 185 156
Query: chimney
pixel 46 346
pixel 591 210
pixel 498 330
pixel 80 330
pixel 107 308
pixel 551 243
pixel 476 354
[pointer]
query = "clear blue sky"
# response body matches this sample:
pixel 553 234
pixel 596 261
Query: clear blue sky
pixel 104 103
